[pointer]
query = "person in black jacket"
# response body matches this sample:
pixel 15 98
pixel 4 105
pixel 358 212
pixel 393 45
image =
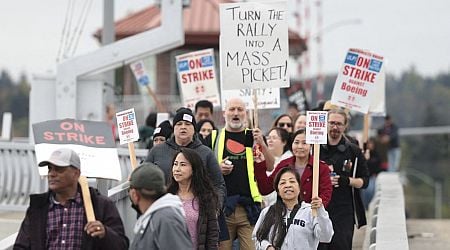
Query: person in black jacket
pixel 56 219
pixel 184 136
pixel 349 175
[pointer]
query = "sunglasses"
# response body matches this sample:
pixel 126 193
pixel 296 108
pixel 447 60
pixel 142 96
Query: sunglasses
pixel 284 124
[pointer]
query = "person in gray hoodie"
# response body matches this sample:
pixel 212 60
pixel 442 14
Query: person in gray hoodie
pixel 289 223
pixel 162 213
pixel 184 136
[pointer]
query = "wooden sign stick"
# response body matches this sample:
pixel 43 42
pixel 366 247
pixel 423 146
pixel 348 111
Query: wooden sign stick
pixel 255 113
pixel 315 181
pixel 152 94
pixel 88 208
pixel 132 155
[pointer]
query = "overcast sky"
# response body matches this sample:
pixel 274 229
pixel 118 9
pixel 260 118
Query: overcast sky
pixel 406 32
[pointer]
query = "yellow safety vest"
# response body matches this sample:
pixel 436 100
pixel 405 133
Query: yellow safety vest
pixel 250 167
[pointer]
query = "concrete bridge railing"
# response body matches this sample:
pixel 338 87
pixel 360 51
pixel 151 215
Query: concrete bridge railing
pixel 19 175
pixel 386 229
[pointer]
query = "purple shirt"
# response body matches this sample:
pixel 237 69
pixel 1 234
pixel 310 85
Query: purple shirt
pixel 65 224
pixel 191 210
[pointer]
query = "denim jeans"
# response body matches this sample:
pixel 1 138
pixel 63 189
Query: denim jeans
pixel 394 155
pixel 367 194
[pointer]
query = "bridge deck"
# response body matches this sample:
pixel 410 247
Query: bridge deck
pixel 10 222
pixel 428 234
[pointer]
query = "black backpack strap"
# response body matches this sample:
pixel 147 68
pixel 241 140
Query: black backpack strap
pixel 291 216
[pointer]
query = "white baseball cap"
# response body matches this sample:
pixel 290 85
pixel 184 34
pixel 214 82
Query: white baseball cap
pixel 63 157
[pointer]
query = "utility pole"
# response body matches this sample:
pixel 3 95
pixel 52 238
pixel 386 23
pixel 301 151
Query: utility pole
pixel 108 36
pixel 320 76
pixel 303 23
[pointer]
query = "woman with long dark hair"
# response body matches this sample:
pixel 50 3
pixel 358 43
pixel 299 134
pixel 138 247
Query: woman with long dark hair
pixel 191 183
pixel 289 224
pixel 302 163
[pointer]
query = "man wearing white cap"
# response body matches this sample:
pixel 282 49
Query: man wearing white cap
pixel 56 219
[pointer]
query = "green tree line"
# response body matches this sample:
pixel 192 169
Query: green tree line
pixel 14 98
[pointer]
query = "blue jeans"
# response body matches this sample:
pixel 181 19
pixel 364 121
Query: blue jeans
pixel 394 155
pixel 368 193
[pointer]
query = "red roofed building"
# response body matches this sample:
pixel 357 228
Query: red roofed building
pixel 202 30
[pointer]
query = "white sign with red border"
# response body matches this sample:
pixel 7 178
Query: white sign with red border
pixel 316 127
pixel 357 83
pixel 127 126
pixel 197 77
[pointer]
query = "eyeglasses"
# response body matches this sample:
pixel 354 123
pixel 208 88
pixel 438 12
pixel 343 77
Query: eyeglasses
pixel 338 124
pixel 284 124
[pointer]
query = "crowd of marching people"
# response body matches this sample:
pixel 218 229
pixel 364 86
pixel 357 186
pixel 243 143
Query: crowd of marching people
pixel 203 187
pixel 260 183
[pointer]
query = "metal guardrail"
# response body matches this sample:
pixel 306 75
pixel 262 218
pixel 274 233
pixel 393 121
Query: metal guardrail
pixel 119 195
pixel 19 175
pixel 386 229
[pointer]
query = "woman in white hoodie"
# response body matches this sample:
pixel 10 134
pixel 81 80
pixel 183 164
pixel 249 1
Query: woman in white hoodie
pixel 289 224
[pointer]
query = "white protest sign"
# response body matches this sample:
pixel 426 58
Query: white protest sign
pixel 254 45
pixel 197 77
pixel 127 126
pixel 160 117
pixel 316 127
pixel 268 98
pixel 378 105
pixel 92 141
pixel 357 80
pixel 140 73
